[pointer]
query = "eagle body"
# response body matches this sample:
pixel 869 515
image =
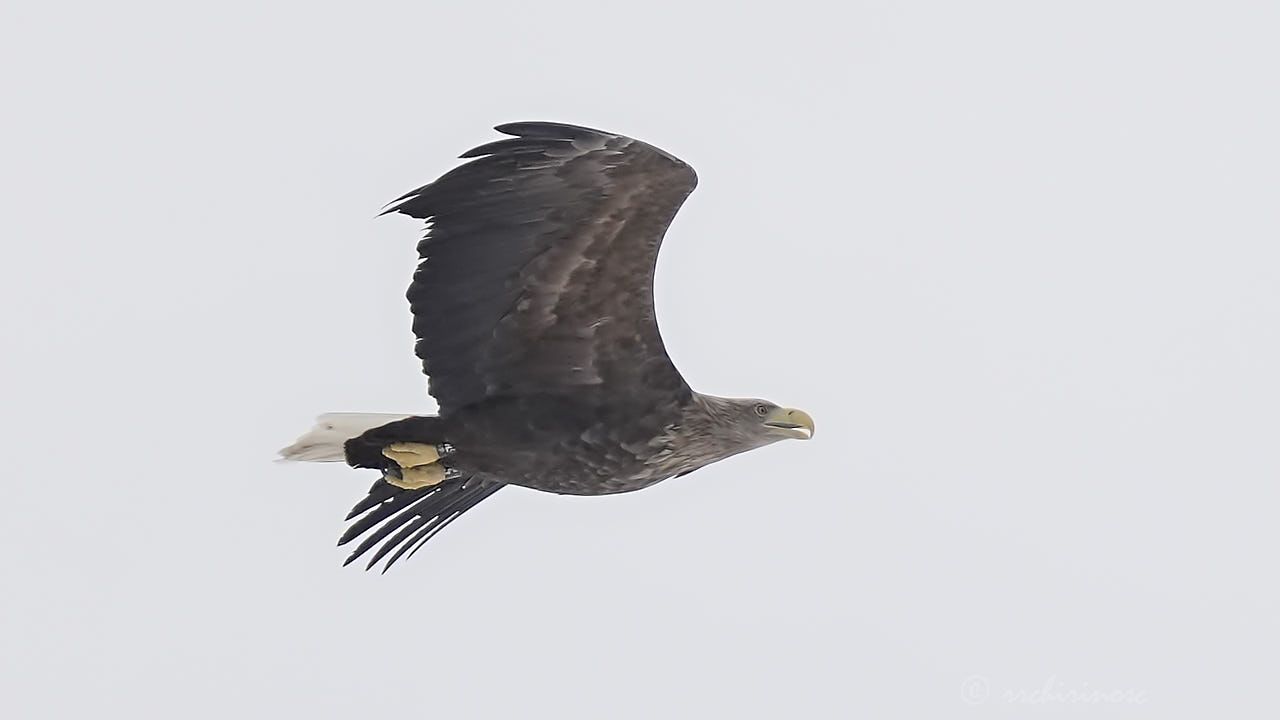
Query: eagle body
pixel 533 310
pixel 571 445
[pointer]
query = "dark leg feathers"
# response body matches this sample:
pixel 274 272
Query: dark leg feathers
pixel 366 451
pixel 403 519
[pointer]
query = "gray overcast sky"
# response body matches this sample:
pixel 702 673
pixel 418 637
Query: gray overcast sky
pixel 1019 260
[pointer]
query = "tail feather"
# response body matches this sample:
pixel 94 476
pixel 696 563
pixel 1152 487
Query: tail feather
pixel 326 441
pixel 393 519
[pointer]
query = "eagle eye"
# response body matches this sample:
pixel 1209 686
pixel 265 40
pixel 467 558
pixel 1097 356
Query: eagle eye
pixel 762 409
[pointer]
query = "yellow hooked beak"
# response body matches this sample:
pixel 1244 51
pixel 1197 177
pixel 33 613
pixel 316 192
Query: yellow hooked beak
pixel 791 423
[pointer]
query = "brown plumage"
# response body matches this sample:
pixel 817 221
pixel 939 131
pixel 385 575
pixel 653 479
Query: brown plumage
pixel 533 309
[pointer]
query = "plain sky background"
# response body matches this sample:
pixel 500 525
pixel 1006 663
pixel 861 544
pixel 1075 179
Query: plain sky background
pixel 1020 260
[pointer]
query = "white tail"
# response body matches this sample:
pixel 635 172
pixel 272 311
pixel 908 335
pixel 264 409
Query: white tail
pixel 324 442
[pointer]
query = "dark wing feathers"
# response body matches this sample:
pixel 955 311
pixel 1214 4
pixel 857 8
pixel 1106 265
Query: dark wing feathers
pixel 412 515
pixel 552 131
pixel 520 145
pixel 537 268
pixel 536 276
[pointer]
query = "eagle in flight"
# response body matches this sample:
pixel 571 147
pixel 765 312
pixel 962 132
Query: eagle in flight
pixel 533 310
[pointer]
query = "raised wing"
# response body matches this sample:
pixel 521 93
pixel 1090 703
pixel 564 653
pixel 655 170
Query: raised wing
pixel 537 267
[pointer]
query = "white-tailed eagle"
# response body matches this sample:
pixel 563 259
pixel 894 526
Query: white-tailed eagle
pixel 533 309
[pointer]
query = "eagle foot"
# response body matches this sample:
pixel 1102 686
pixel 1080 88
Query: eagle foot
pixel 418 465
pixel 420 476
pixel 407 454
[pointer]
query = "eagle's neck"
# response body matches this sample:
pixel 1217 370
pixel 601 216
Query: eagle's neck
pixel 708 430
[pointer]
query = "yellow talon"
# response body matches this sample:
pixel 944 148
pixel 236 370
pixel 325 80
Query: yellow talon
pixel 419 476
pixel 408 455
